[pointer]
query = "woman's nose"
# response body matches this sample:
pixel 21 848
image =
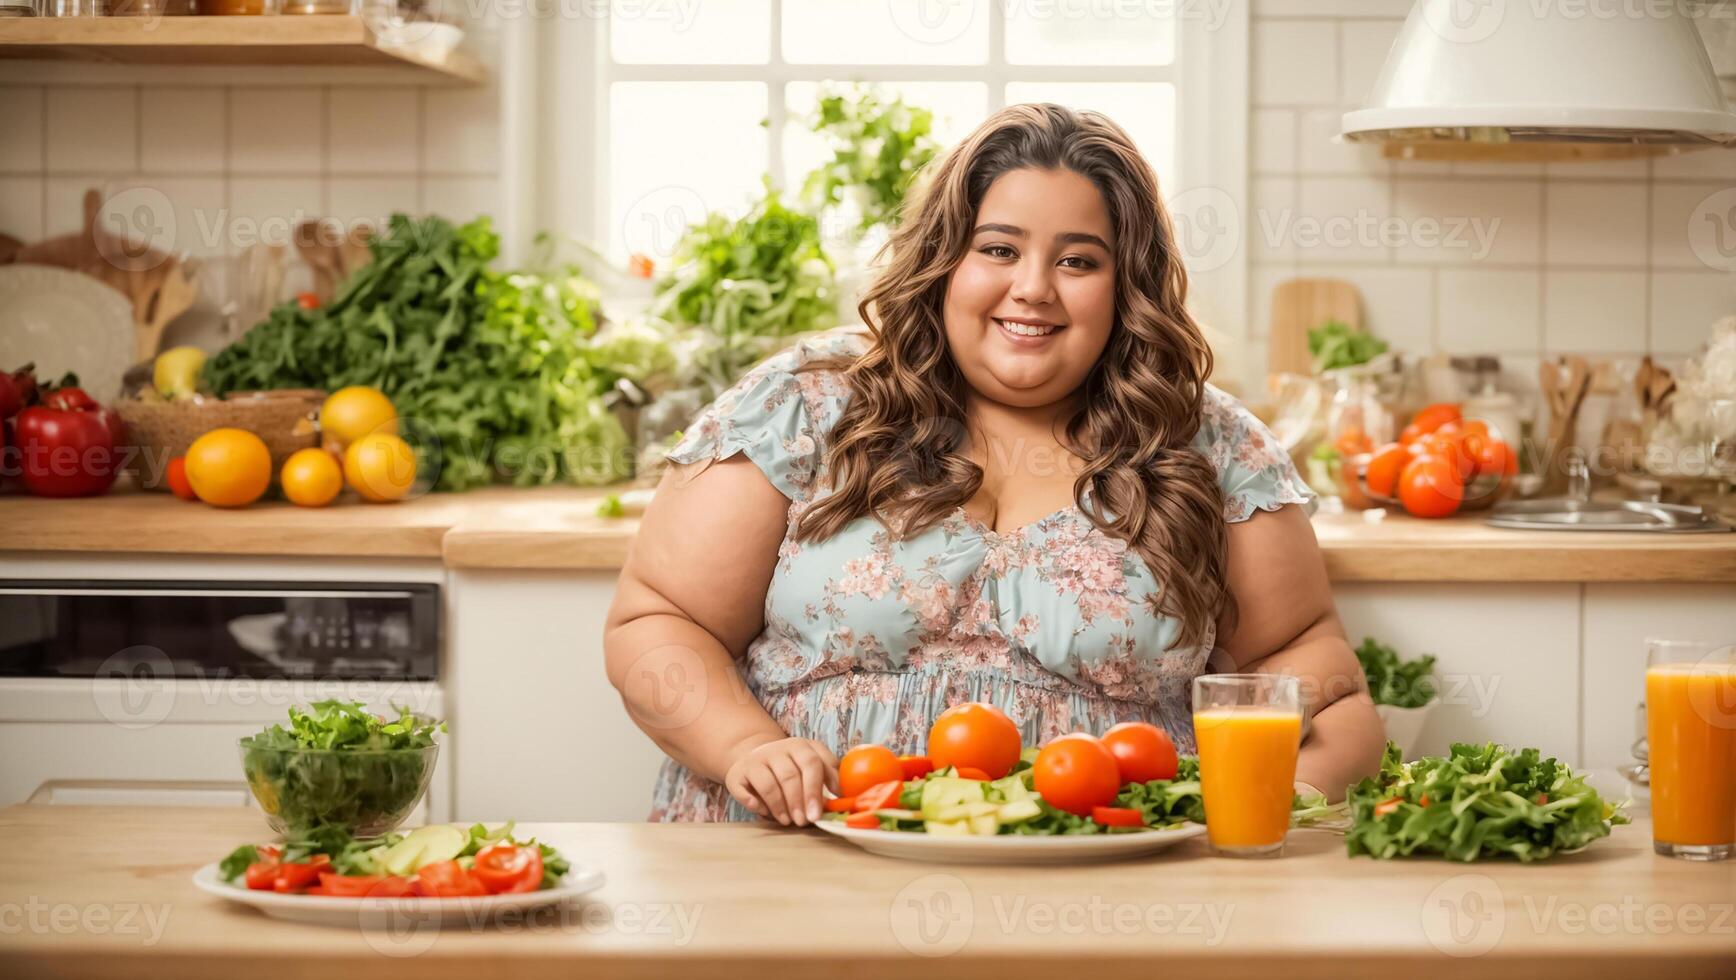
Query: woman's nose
pixel 1031 283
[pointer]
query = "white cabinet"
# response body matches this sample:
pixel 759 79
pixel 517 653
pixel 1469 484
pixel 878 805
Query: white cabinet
pixel 1507 656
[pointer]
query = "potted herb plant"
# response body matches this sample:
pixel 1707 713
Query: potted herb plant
pixel 1405 692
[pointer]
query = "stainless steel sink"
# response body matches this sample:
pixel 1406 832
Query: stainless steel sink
pixel 1570 514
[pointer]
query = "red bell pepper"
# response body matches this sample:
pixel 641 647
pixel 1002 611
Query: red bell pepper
pixel 69 445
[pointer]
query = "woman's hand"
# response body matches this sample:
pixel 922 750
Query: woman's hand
pixel 782 779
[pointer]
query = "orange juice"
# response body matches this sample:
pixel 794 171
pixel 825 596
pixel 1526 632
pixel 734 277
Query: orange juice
pixel 1691 735
pixel 1247 773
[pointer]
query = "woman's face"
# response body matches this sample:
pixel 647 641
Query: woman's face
pixel 1030 307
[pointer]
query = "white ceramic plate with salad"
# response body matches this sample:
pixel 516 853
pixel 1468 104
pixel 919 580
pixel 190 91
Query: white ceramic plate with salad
pixel 393 912
pixel 1012 848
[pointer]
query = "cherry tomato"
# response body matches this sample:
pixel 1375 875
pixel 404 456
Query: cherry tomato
pixel 1384 468
pixel 1495 456
pixel 865 766
pixel 1431 487
pixel 841 804
pixel 916 766
pixel 446 879
pixel 862 821
pixel 1117 816
pixel 1435 416
pixel 1075 773
pixel 506 867
pixel 977 735
pixel 881 797
pixel 1142 752
pixel 307 301
pixel 1410 434
pixel 176 478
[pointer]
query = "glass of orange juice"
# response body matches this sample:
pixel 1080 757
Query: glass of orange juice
pixel 1691 741
pixel 1248 729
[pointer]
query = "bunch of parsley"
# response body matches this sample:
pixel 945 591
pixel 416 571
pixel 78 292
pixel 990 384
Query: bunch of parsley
pixel 1395 681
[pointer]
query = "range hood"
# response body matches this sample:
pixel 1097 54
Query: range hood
pixel 1516 80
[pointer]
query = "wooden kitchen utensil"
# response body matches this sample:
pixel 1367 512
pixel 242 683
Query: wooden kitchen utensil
pixel 1564 397
pixel 1301 305
pixel 175 293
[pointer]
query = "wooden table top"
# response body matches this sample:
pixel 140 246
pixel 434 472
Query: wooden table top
pixel 105 891
pixel 558 528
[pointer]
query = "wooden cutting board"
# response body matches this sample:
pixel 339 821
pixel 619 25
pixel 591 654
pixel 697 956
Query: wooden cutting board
pixel 1301 305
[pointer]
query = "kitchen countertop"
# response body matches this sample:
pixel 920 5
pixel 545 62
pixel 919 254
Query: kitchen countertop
pixel 105 891
pixel 557 528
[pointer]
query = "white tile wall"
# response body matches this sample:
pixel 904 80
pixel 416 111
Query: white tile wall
pixel 235 163
pixel 1591 257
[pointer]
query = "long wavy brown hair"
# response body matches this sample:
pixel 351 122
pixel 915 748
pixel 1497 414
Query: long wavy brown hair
pixel 898 453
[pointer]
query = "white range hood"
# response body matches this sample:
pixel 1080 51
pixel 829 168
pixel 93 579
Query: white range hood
pixel 1518 79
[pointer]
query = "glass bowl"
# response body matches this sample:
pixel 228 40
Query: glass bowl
pixel 366 791
pixel 1481 492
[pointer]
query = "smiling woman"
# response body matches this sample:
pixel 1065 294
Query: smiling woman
pixel 1017 489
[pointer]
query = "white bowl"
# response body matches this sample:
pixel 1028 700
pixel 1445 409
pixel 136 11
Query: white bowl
pixel 1405 725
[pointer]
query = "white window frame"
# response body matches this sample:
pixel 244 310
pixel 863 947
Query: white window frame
pixel 1209 72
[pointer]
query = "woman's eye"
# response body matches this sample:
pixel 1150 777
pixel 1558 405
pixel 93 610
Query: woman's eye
pixel 997 251
pixel 1084 263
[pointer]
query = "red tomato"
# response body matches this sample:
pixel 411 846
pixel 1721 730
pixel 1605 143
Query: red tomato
pixel 361 886
pixel 307 301
pixel 1495 456
pixel 1117 816
pixel 1384 468
pixel 297 875
pixel 977 735
pixel 261 875
pixel 862 821
pixel 916 766
pixel 1075 773
pixel 176 478
pixel 865 766
pixel 1431 487
pixel 1410 434
pixel 881 797
pixel 841 804
pixel 1142 752
pixel 505 867
pixel 446 879
pixel 971 772
pixel 1435 416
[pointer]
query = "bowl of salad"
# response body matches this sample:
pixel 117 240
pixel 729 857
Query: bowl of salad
pixel 339 765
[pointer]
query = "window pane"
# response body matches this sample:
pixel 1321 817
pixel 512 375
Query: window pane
pixel 678 150
pixel 717 32
pixel 886 32
pixel 1090 33
pixel 1146 110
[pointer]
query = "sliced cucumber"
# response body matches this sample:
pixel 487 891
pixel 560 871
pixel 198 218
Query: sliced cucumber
pixel 985 825
pixel 1019 811
pixel 947 828
pixel 943 792
pixel 897 814
pixel 1029 754
pixel 1009 788
pixel 424 846
pixel 401 858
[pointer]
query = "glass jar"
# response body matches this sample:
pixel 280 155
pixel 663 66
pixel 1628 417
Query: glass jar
pixel 1361 417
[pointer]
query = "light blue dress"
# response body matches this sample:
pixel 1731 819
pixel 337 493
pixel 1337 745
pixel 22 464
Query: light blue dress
pixel 867 639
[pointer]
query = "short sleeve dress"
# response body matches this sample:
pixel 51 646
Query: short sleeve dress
pixel 867 638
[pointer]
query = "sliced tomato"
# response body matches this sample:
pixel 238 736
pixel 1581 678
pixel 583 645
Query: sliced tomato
pixel 269 853
pixel 841 804
pixel 879 797
pixel 916 766
pixel 297 875
pixel 862 821
pixel 507 867
pixel 361 886
pixel 447 879
pixel 971 772
pixel 1117 816
pixel 262 875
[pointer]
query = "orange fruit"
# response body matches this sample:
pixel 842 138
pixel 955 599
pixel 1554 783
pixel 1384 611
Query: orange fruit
pixel 976 736
pixel 311 478
pixel 380 467
pixel 229 467
pixel 353 412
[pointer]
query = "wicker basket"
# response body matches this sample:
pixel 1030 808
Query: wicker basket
pixel 162 430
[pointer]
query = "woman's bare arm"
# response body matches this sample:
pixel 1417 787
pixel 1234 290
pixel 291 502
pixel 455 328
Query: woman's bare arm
pixel 690 599
pixel 1287 624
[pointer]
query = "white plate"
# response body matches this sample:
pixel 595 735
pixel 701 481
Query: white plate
pixel 393 912
pixel 65 321
pixel 1011 848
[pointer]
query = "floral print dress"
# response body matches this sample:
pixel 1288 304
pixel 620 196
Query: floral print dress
pixel 867 639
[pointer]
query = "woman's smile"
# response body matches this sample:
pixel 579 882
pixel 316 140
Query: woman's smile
pixel 1027 333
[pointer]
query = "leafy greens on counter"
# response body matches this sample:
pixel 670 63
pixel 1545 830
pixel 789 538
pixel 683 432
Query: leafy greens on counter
pixel 1393 680
pixel 494 374
pixel 1334 345
pixel 1478 801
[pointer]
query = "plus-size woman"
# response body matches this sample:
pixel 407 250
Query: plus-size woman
pixel 1017 488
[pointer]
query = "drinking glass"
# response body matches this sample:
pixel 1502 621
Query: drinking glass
pixel 1691 738
pixel 1248 729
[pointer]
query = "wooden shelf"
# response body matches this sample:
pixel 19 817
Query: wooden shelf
pixel 292 40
